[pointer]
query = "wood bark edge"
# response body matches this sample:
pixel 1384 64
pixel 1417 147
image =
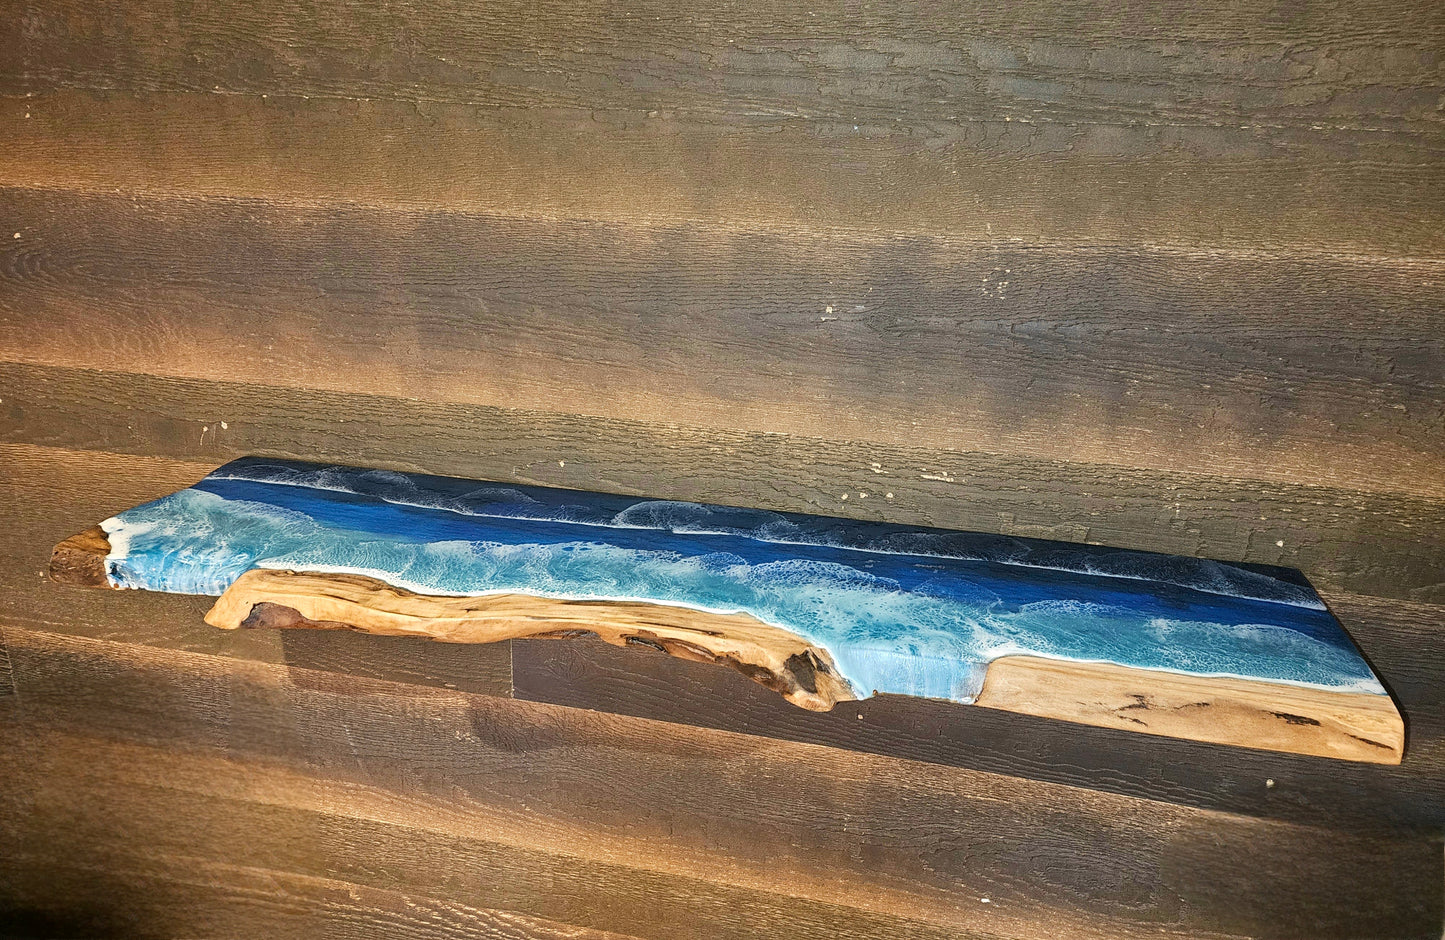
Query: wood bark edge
pixel 80 559
pixel 1240 712
pixel 801 672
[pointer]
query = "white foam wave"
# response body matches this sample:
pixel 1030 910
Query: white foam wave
pixel 882 637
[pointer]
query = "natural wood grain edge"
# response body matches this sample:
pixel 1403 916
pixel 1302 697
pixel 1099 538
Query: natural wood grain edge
pixel 801 672
pixel 80 559
pixel 1270 716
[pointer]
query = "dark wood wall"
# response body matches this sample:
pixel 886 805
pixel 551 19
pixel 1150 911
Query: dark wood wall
pixel 1168 276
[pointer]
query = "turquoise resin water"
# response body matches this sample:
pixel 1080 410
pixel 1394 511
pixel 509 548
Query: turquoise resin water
pixel 902 609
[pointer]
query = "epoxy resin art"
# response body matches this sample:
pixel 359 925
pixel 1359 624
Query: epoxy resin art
pixel 822 609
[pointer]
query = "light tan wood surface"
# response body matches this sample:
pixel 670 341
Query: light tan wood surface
pixel 802 672
pixel 1249 713
pixel 1221 710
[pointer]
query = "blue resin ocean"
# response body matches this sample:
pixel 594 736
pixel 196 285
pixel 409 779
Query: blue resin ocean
pixel 902 609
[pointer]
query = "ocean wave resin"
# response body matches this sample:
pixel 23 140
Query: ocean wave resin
pixel 901 609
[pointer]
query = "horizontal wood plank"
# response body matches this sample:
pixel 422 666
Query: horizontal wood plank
pixel 408 660
pixel 1371 65
pixel 111 889
pixel 1235 188
pixel 1231 125
pixel 1303 367
pixel 375 839
pixel 1365 543
pixel 738 830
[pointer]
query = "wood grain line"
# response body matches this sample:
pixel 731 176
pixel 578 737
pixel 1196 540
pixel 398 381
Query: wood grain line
pixel 434 782
pixel 1306 369
pixel 1350 191
pixel 7 676
pixel 1217 710
pixel 836 64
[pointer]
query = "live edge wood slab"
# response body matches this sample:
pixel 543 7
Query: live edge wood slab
pixel 820 610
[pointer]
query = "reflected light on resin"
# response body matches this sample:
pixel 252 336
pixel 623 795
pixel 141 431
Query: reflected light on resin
pixel 902 609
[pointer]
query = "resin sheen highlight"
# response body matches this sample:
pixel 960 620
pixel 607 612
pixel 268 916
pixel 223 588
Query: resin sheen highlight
pixel 902 609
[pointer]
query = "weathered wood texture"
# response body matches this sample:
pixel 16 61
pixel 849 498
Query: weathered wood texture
pixel 1349 190
pixel 1302 366
pixel 110 892
pixel 1247 125
pixel 1369 65
pixel 464 802
pixel 1159 276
